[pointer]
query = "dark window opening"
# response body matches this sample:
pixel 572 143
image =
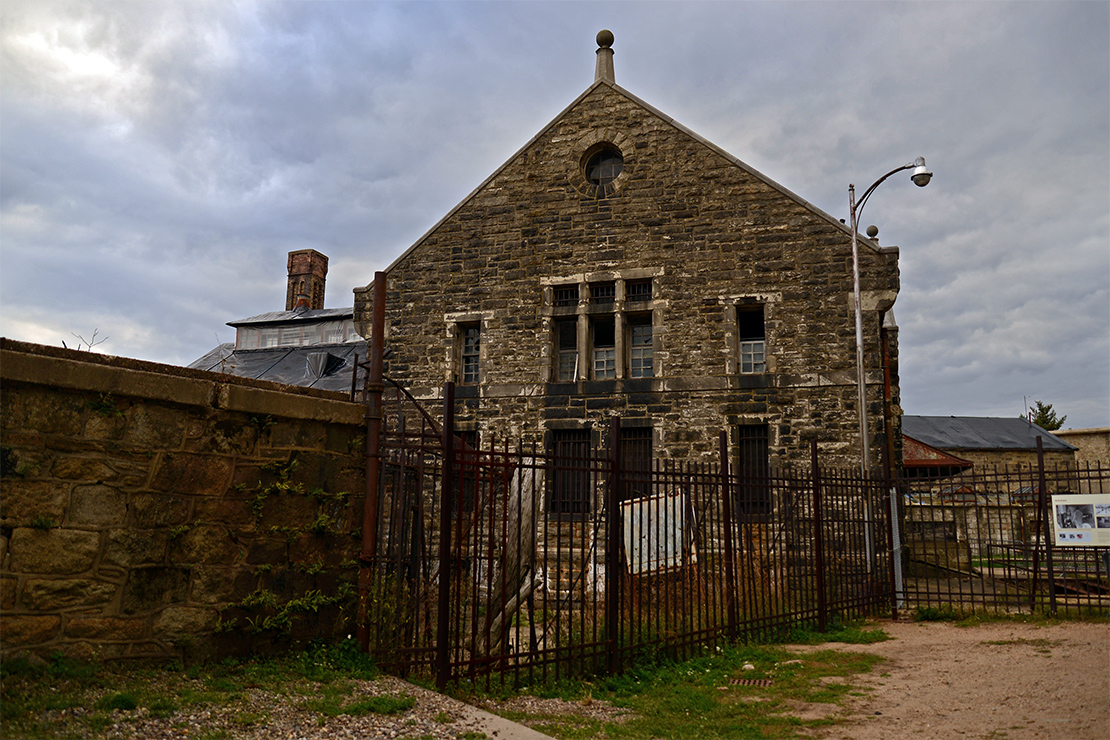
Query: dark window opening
pixel 604 167
pixel 638 291
pixel 753 469
pixel 752 336
pixel 566 295
pixel 471 337
pixel 603 294
pixel 570 479
pixel 566 343
pixel 605 350
pixel 635 461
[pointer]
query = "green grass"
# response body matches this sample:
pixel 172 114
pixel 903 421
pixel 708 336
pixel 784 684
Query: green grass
pixel 701 698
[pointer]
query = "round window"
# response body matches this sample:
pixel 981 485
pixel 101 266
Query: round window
pixel 604 166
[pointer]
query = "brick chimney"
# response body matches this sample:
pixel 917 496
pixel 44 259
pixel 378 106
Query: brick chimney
pixel 308 272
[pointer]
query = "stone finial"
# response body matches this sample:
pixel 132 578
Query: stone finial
pixel 605 57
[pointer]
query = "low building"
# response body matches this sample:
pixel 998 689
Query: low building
pixel 983 441
pixel 306 344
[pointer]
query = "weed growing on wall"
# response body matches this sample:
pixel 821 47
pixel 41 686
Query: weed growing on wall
pixel 292 597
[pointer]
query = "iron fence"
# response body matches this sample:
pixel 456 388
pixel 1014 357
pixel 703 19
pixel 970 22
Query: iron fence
pixel 985 540
pixel 515 562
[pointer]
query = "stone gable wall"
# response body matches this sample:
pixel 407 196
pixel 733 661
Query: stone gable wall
pixel 152 511
pixel 708 230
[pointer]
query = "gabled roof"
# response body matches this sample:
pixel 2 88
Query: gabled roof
pixel 302 316
pixel 980 433
pixel 865 242
pixel 324 366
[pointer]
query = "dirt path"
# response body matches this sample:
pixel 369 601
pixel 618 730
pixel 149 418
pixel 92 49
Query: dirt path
pixel 997 681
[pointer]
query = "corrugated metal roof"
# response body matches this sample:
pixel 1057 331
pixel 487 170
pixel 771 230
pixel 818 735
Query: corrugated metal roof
pixel 310 315
pixel 324 366
pixel 980 433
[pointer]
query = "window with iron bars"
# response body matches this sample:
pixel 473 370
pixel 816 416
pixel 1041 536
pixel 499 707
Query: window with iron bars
pixel 570 491
pixel 470 336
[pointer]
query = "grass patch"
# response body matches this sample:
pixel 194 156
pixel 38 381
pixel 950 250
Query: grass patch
pixel 703 697
pixel 35 695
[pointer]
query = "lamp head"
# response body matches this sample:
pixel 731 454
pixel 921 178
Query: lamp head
pixel 921 174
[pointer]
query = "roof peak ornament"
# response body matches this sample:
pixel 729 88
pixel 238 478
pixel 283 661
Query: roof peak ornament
pixel 604 69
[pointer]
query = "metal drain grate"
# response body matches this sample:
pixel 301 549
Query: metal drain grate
pixel 750 681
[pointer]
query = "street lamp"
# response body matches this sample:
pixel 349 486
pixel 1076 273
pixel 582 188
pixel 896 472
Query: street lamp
pixel 920 177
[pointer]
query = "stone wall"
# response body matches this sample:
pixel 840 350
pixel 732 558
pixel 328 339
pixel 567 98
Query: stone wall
pixel 713 237
pixel 156 511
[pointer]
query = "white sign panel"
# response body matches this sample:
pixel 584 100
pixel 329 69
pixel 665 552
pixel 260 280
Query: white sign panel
pixel 1082 520
pixel 655 533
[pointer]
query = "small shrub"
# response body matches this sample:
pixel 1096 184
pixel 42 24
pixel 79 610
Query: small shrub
pixel 935 614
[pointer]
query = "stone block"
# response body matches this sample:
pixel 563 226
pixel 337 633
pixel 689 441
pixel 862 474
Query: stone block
pixel 83 469
pixel 107 628
pixel 192 474
pixel 208 544
pixel 235 513
pixel 46 595
pixel 149 589
pixel 28 500
pixel 96 506
pixel 129 548
pixel 8 586
pixel 23 630
pixel 57 551
pixel 155 427
pixel 158 510
pixel 176 622
pixel 217 585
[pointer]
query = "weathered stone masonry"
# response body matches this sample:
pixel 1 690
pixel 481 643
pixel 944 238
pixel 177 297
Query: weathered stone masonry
pixel 154 511
pixel 711 234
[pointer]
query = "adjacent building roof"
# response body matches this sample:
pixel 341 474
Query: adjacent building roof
pixel 324 366
pixel 980 433
pixel 296 315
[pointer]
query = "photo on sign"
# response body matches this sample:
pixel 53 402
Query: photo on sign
pixel 1071 516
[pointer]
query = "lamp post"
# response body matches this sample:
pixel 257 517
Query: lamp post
pixel 920 177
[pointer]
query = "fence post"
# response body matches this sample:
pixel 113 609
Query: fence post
pixel 818 539
pixel 1047 534
pixel 447 484
pixel 726 504
pixel 612 548
pixel 374 387
pixel 891 528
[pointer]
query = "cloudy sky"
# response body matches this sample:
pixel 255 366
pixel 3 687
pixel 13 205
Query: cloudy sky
pixel 159 159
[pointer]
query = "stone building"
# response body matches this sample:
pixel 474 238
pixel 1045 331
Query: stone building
pixel 619 263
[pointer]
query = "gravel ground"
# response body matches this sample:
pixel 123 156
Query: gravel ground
pixel 266 715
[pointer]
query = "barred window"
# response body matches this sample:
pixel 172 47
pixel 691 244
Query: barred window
pixel 471 338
